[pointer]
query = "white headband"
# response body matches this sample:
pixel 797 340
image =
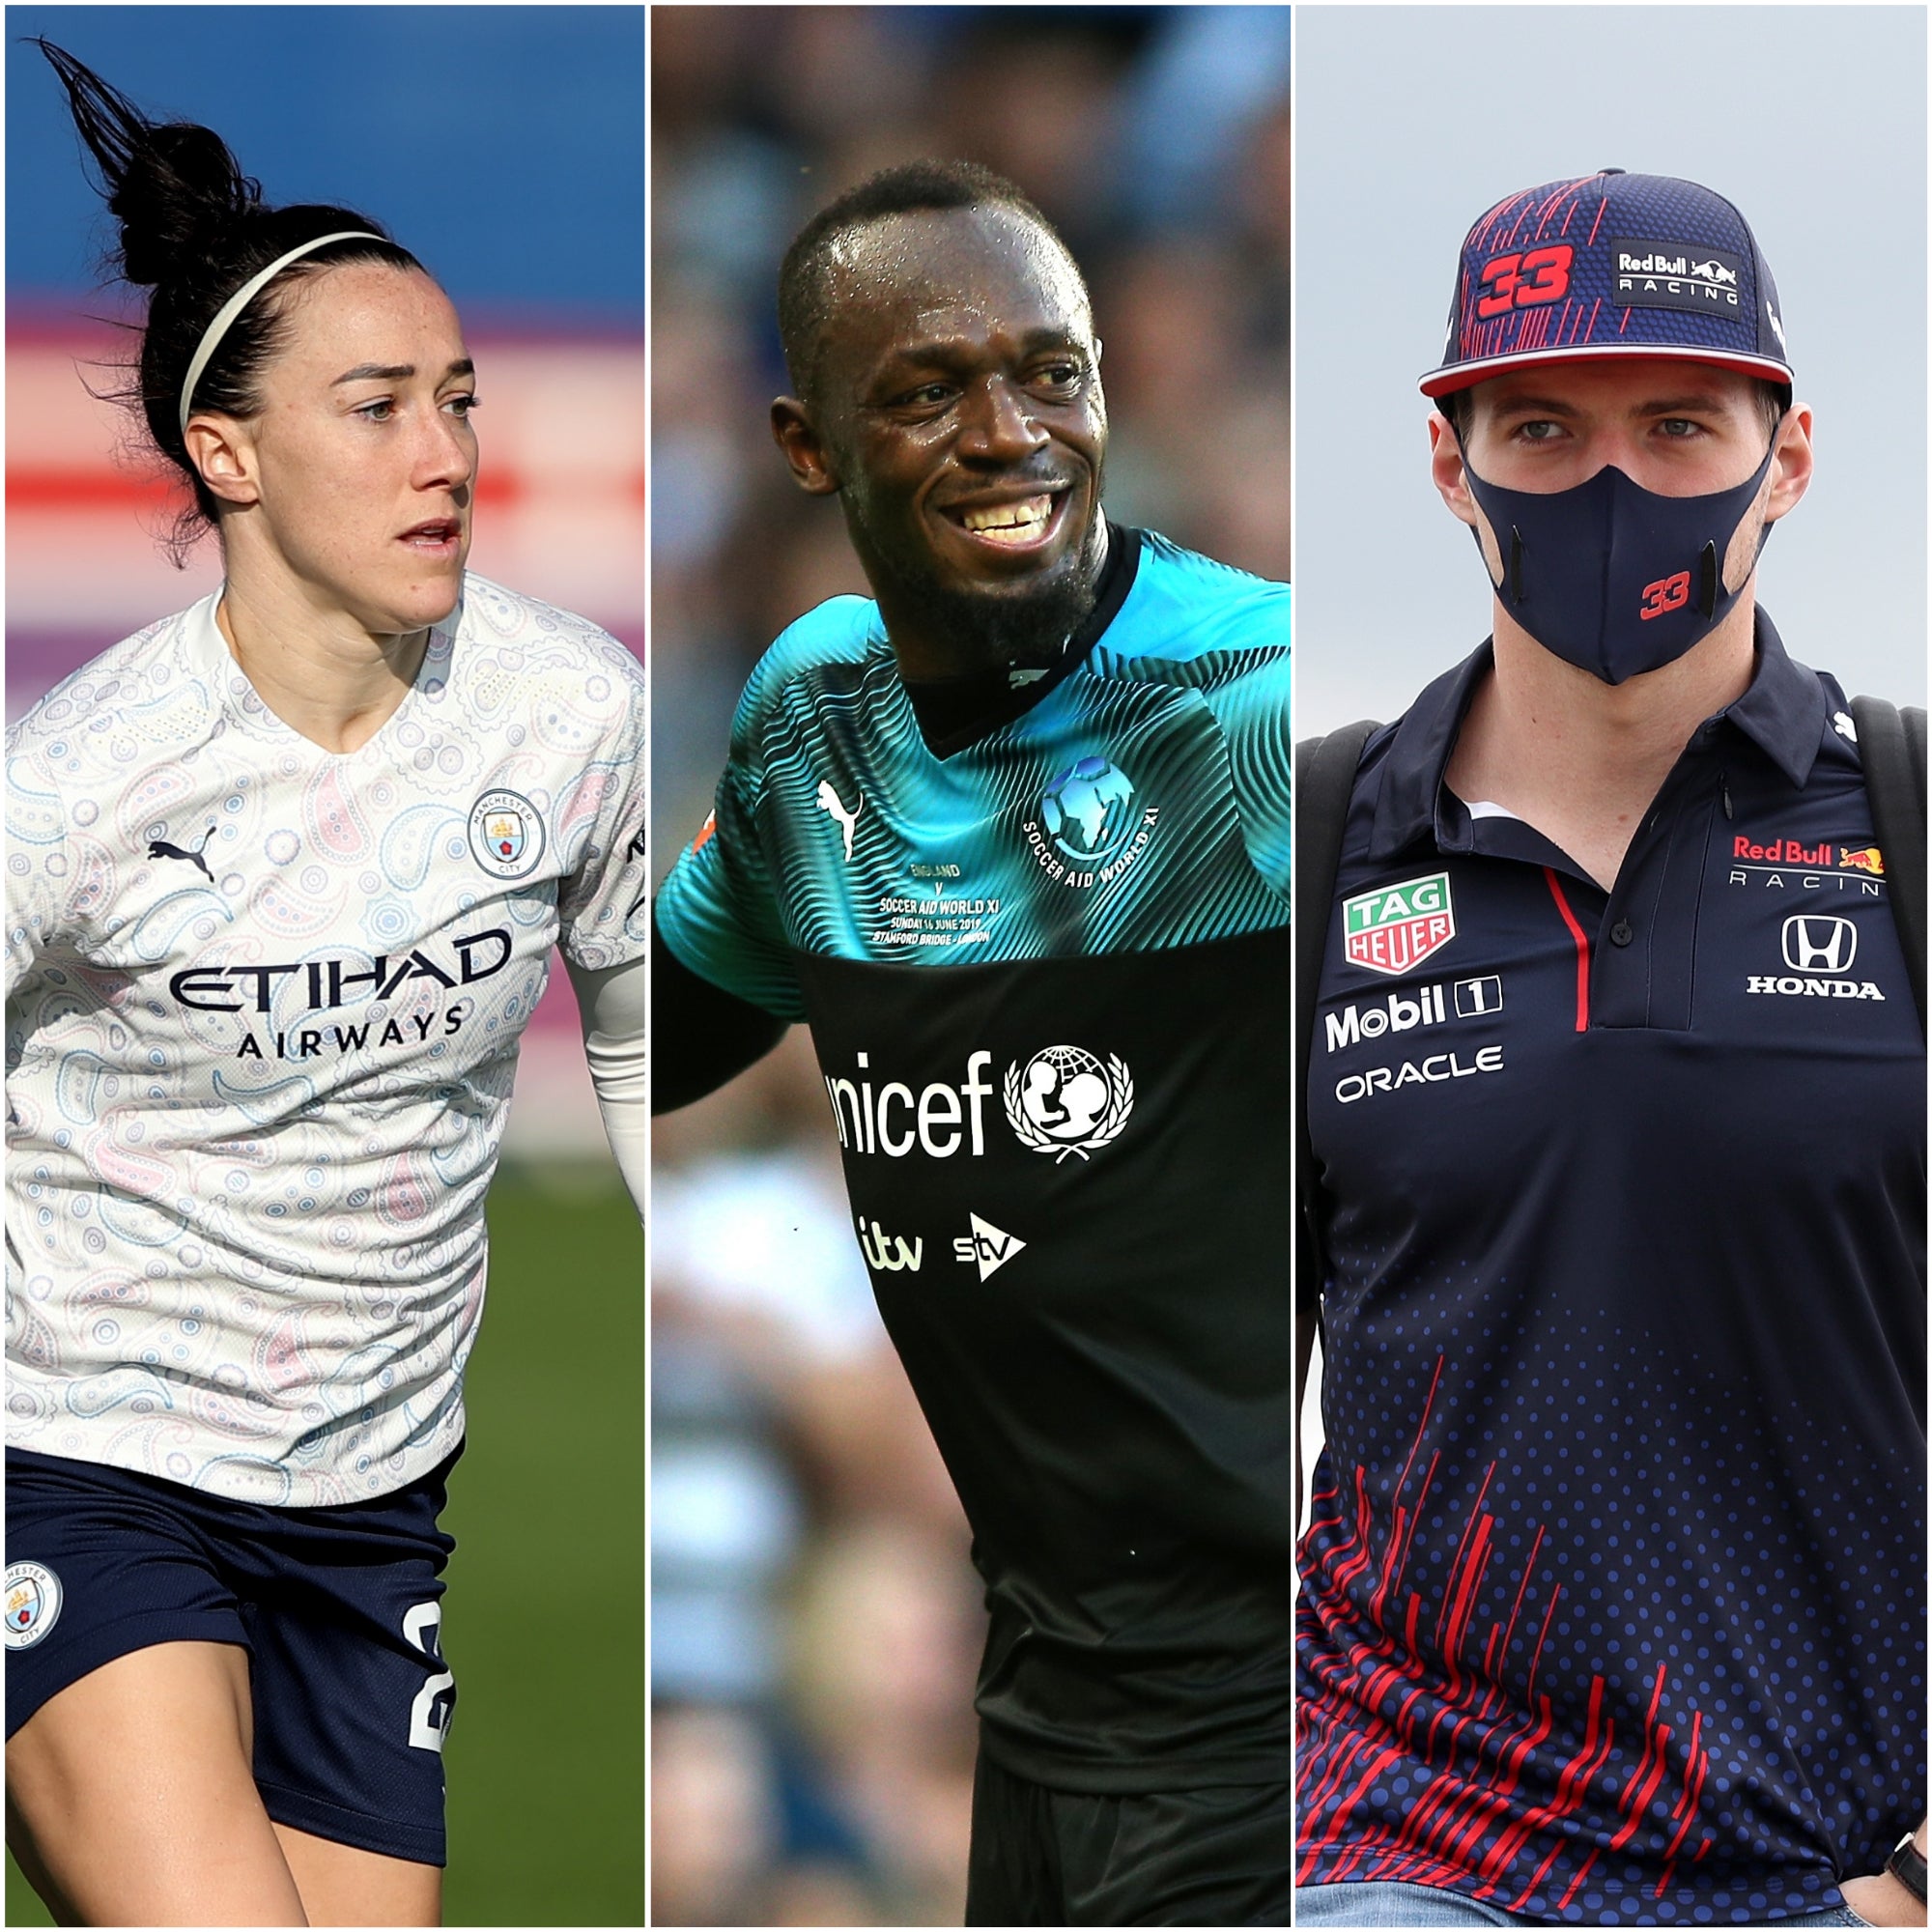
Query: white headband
pixel 224 321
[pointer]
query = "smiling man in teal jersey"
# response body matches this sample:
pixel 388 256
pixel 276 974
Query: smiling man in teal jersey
pixel 1014 840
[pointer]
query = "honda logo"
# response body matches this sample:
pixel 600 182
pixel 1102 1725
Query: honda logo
pixel 1817 945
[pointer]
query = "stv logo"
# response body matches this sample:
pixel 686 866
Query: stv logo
pixel 987 1248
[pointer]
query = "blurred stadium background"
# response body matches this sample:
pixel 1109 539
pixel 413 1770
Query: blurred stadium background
pixel 504 145
pixel 815 1624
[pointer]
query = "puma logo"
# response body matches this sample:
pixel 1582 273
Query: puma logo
pixel 160 848
pixel 848 821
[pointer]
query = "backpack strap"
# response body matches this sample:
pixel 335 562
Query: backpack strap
pixel 1325 782
pixel 1891 748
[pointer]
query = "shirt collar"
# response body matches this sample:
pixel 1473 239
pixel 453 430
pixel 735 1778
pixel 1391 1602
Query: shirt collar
pixel 1782 712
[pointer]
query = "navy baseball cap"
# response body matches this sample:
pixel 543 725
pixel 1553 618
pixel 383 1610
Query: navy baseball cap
pixel 1610 265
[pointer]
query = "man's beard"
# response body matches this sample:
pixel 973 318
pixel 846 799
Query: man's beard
pixel 1027 626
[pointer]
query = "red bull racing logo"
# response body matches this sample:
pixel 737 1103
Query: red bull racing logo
pixel 1781 851
pixel 1795 853
pixel 1813 865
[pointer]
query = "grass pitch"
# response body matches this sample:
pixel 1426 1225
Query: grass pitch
pixel 543 1623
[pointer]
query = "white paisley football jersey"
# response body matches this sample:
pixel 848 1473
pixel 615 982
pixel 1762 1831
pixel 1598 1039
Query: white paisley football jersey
pixel 263 1007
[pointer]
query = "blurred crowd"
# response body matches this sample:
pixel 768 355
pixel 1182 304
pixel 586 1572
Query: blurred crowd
pixel 816 1622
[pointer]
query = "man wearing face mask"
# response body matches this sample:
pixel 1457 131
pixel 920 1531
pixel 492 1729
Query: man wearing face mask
pixel 1612 1590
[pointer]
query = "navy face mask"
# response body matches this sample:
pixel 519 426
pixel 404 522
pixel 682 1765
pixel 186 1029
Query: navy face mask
pixel 1611 576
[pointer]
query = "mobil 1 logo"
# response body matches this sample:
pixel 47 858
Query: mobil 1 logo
pixel 1433 1005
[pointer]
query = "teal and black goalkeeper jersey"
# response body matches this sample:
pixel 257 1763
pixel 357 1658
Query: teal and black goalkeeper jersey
pixel 1046 975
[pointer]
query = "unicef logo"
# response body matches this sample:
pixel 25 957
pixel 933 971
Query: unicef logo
pixel 33 1603
pixel 1089 810
pixel 1065 1102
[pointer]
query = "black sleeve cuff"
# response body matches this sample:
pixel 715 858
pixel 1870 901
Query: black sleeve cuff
pixel 700 1034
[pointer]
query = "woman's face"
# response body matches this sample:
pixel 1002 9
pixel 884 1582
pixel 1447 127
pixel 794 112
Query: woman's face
pixel 363 459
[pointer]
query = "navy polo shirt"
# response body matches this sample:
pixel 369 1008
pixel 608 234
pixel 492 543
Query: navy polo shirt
pixel 1612 1599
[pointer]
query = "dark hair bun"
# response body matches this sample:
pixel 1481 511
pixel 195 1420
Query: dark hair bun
pixel 182 190
pixel 173 186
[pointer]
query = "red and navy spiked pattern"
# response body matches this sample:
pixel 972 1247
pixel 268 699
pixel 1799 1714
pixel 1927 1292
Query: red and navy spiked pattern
pixel 1610 264
pixel 1507 1803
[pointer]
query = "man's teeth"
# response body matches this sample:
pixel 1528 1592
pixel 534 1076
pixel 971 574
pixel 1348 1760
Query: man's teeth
pixel 1024 522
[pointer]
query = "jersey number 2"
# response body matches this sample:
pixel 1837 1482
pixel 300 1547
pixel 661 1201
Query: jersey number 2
pixel 429 1726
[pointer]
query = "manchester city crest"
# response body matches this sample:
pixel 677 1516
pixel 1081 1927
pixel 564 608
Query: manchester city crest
pixel 507 835
pixel 33 1603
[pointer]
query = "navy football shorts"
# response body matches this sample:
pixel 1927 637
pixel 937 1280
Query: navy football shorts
pixel 340 1610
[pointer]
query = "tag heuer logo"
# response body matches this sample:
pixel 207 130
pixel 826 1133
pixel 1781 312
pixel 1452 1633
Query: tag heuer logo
pixel 1396 927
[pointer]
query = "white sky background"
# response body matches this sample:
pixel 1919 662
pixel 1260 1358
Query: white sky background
pixel 1411 121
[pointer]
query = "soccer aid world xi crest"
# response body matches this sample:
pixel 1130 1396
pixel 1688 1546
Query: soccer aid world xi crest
pixel 1396 927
